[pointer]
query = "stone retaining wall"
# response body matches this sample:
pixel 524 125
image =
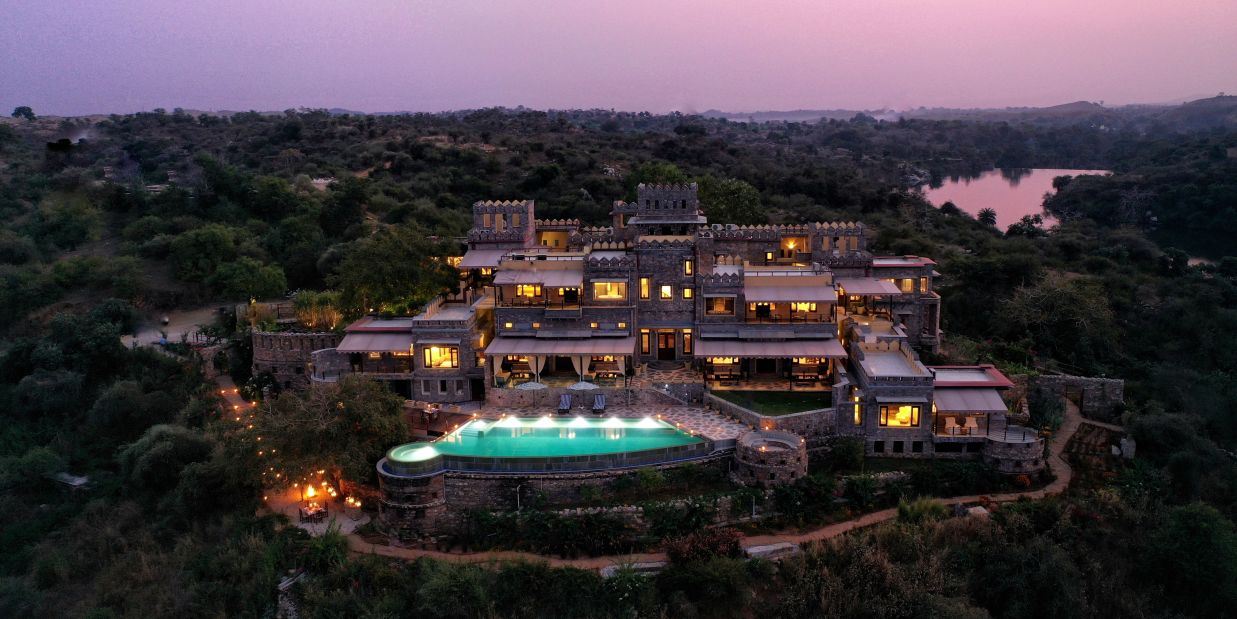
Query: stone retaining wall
pixel 287 356
pixel 1097 398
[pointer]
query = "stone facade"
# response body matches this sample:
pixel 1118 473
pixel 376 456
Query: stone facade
pixel 769 458
pixel 287 355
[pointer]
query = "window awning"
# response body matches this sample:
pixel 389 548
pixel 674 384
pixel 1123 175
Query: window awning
pixel 482 258
pixel 770 350
pixel 582 346
pixel 376 342
pixel 963 400
pixel 898 399
pixel 866 286
pixel 783 294
pixel 552 279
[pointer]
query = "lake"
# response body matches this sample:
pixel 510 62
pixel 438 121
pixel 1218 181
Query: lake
pixel 1012 192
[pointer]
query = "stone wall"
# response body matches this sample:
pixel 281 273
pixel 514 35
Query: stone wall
pixel 1097 398
pixel 418 508
pixel 770 458
pixel 1012 454
pixel 815 425
pixel 287 355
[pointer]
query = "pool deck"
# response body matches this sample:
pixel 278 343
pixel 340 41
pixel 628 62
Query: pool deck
pixel 696 420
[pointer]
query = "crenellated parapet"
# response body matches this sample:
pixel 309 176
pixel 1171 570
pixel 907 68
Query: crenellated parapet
pixel 557 224
pixel 721 279
pixel 495 236
pixel 589 235
pixel 656 243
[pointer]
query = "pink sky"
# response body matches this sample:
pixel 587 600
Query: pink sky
pixel 74 57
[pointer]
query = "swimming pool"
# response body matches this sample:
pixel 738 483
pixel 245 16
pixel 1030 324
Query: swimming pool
pixel 547 444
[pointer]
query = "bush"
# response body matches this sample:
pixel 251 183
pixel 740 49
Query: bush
pixel 921 510
pixel 705 544
pixel 846 454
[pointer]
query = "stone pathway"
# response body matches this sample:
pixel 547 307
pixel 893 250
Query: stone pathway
pixel 1056 449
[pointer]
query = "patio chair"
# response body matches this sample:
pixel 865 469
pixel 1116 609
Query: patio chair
pixel 599 404
pixel 564 404
pixel 951 426
pixel 972 426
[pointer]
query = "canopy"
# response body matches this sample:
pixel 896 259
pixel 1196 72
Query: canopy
pixel 482 258
pixel 583 346
pixel 770 350
pixel 973 400
pixel 552 279
pixel 376 342
pixel 867 286
pixel 783 294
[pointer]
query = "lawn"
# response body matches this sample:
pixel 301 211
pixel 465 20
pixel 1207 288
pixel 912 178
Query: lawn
pixel 778 402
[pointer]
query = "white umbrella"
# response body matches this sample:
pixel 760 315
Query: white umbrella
pixel 582 386
pixel 530 386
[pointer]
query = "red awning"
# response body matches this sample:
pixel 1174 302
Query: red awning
pixel 376 342
pixel 581 346
pixel 972 400
pixel 785 294
pixel 482 258
pixel 866 286
pixel 770 350
pixel 552 279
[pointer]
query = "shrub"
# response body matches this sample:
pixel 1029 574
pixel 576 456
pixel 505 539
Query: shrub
pixel 921 510
pixel 705 544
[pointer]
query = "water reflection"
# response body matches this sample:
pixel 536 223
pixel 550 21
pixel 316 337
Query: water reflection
pixel 1011 192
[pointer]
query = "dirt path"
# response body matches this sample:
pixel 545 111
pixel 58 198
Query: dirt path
pixel 1056 459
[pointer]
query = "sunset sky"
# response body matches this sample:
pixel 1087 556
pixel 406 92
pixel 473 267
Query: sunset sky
pixel 100 56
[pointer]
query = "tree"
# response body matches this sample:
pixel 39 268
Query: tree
pixel 153 463
pixel 987 217
pixel 343 429
pixel 730 201
pixel 1193 556
pixel 197 254
pixel 247 278
pixel 395 270
pixel 67 220
pixel 23 111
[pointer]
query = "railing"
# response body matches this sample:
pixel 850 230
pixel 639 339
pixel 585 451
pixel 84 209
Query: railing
pixel 786 320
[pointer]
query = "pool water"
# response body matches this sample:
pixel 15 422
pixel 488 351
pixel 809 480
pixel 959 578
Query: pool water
pixel 547 437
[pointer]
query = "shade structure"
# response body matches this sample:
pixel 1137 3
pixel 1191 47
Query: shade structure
pixel 531 386
pixel 973 400
pixel 562 347
pixel 555 278
pixel 582 386
pixel 867 286
pixel 376 342
pixel 770 350
pixel 786 294
pixel 482 258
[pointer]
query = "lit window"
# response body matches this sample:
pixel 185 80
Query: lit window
pixel 687 341
pixel 508 325
pixel 904 416
pixel 666 292
pixel 487 271
pixel 536 325
pixel 716 306
pixel 528 290
pixel 610 290
pixel 907 285
pixel 858 414
pixel 441 357
pixel 803 307
pixel 622 325
pixel 688 293
pixel 645 341
pixel 592 325
pixel 688 267
pixel 923 285
pixel 644 288
pixel 768 256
